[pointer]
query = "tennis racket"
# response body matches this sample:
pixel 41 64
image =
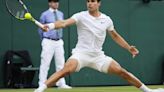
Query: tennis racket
pixel 18 10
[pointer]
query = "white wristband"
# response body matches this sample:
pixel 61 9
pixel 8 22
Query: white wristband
pixel 51 26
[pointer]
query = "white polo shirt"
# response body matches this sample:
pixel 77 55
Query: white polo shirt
pixel 91 31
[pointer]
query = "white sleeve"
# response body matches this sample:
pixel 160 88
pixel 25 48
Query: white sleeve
pixel 76 17
pixel 110 24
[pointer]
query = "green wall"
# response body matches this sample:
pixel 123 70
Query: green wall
pixel 140 24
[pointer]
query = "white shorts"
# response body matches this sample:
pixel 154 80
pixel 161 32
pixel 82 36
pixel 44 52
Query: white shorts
pixel 97 61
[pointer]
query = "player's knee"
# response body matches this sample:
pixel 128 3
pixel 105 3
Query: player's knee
pixel 70 66
pixel 67 69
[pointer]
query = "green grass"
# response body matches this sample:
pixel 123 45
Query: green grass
pixel 86 89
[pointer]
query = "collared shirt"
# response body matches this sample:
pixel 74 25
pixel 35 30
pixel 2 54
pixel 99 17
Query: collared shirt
pixel 91 31
pixel 49 17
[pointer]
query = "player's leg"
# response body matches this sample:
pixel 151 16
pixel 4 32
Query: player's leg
pixel 115 68
pixel 46 56
pixel 106 64
pixel 59 62
pixel 69 67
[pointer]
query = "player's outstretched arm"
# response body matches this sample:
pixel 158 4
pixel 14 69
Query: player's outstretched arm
pixel 59 24
pixel 119 40
pixel 64 23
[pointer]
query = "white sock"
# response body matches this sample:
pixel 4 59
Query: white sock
pixel 145 88
pixel 42 87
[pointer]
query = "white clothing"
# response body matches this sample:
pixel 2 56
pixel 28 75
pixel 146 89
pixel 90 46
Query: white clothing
pixel 97 61
pixel 91 36
pixel 91 31
pixel 50 49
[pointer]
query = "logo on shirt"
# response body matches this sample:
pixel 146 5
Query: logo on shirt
pixel 102 22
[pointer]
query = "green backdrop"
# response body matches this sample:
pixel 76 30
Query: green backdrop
pixel 140 24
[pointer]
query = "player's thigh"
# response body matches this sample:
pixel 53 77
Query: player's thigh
pixel 82 60
pixel 71 65
pixel 101 63
pixel 114 67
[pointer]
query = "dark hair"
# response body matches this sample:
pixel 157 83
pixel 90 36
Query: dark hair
pixel 53 0
pixel 97 0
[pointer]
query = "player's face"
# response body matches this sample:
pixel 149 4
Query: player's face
pixel 93 5
pixel 54 5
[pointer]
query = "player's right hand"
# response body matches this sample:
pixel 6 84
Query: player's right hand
pixel 45 28
pixel 48 27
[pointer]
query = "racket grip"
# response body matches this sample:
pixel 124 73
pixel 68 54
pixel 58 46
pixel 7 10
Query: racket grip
pixel 39 24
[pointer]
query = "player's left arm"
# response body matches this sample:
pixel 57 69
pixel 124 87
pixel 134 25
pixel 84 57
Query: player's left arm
pixel 120 40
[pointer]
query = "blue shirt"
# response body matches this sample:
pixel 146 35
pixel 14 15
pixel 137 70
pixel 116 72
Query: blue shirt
pixel 48 16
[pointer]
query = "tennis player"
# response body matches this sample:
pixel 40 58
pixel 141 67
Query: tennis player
pixel 91 27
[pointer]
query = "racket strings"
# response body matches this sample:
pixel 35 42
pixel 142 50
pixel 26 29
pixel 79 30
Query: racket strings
pixel 16 8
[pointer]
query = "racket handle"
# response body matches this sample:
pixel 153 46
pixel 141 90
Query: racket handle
pixel 39 24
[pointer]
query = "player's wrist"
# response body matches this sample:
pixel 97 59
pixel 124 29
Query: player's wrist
pixel 64 24
pixel 129 48
pixel 51 26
